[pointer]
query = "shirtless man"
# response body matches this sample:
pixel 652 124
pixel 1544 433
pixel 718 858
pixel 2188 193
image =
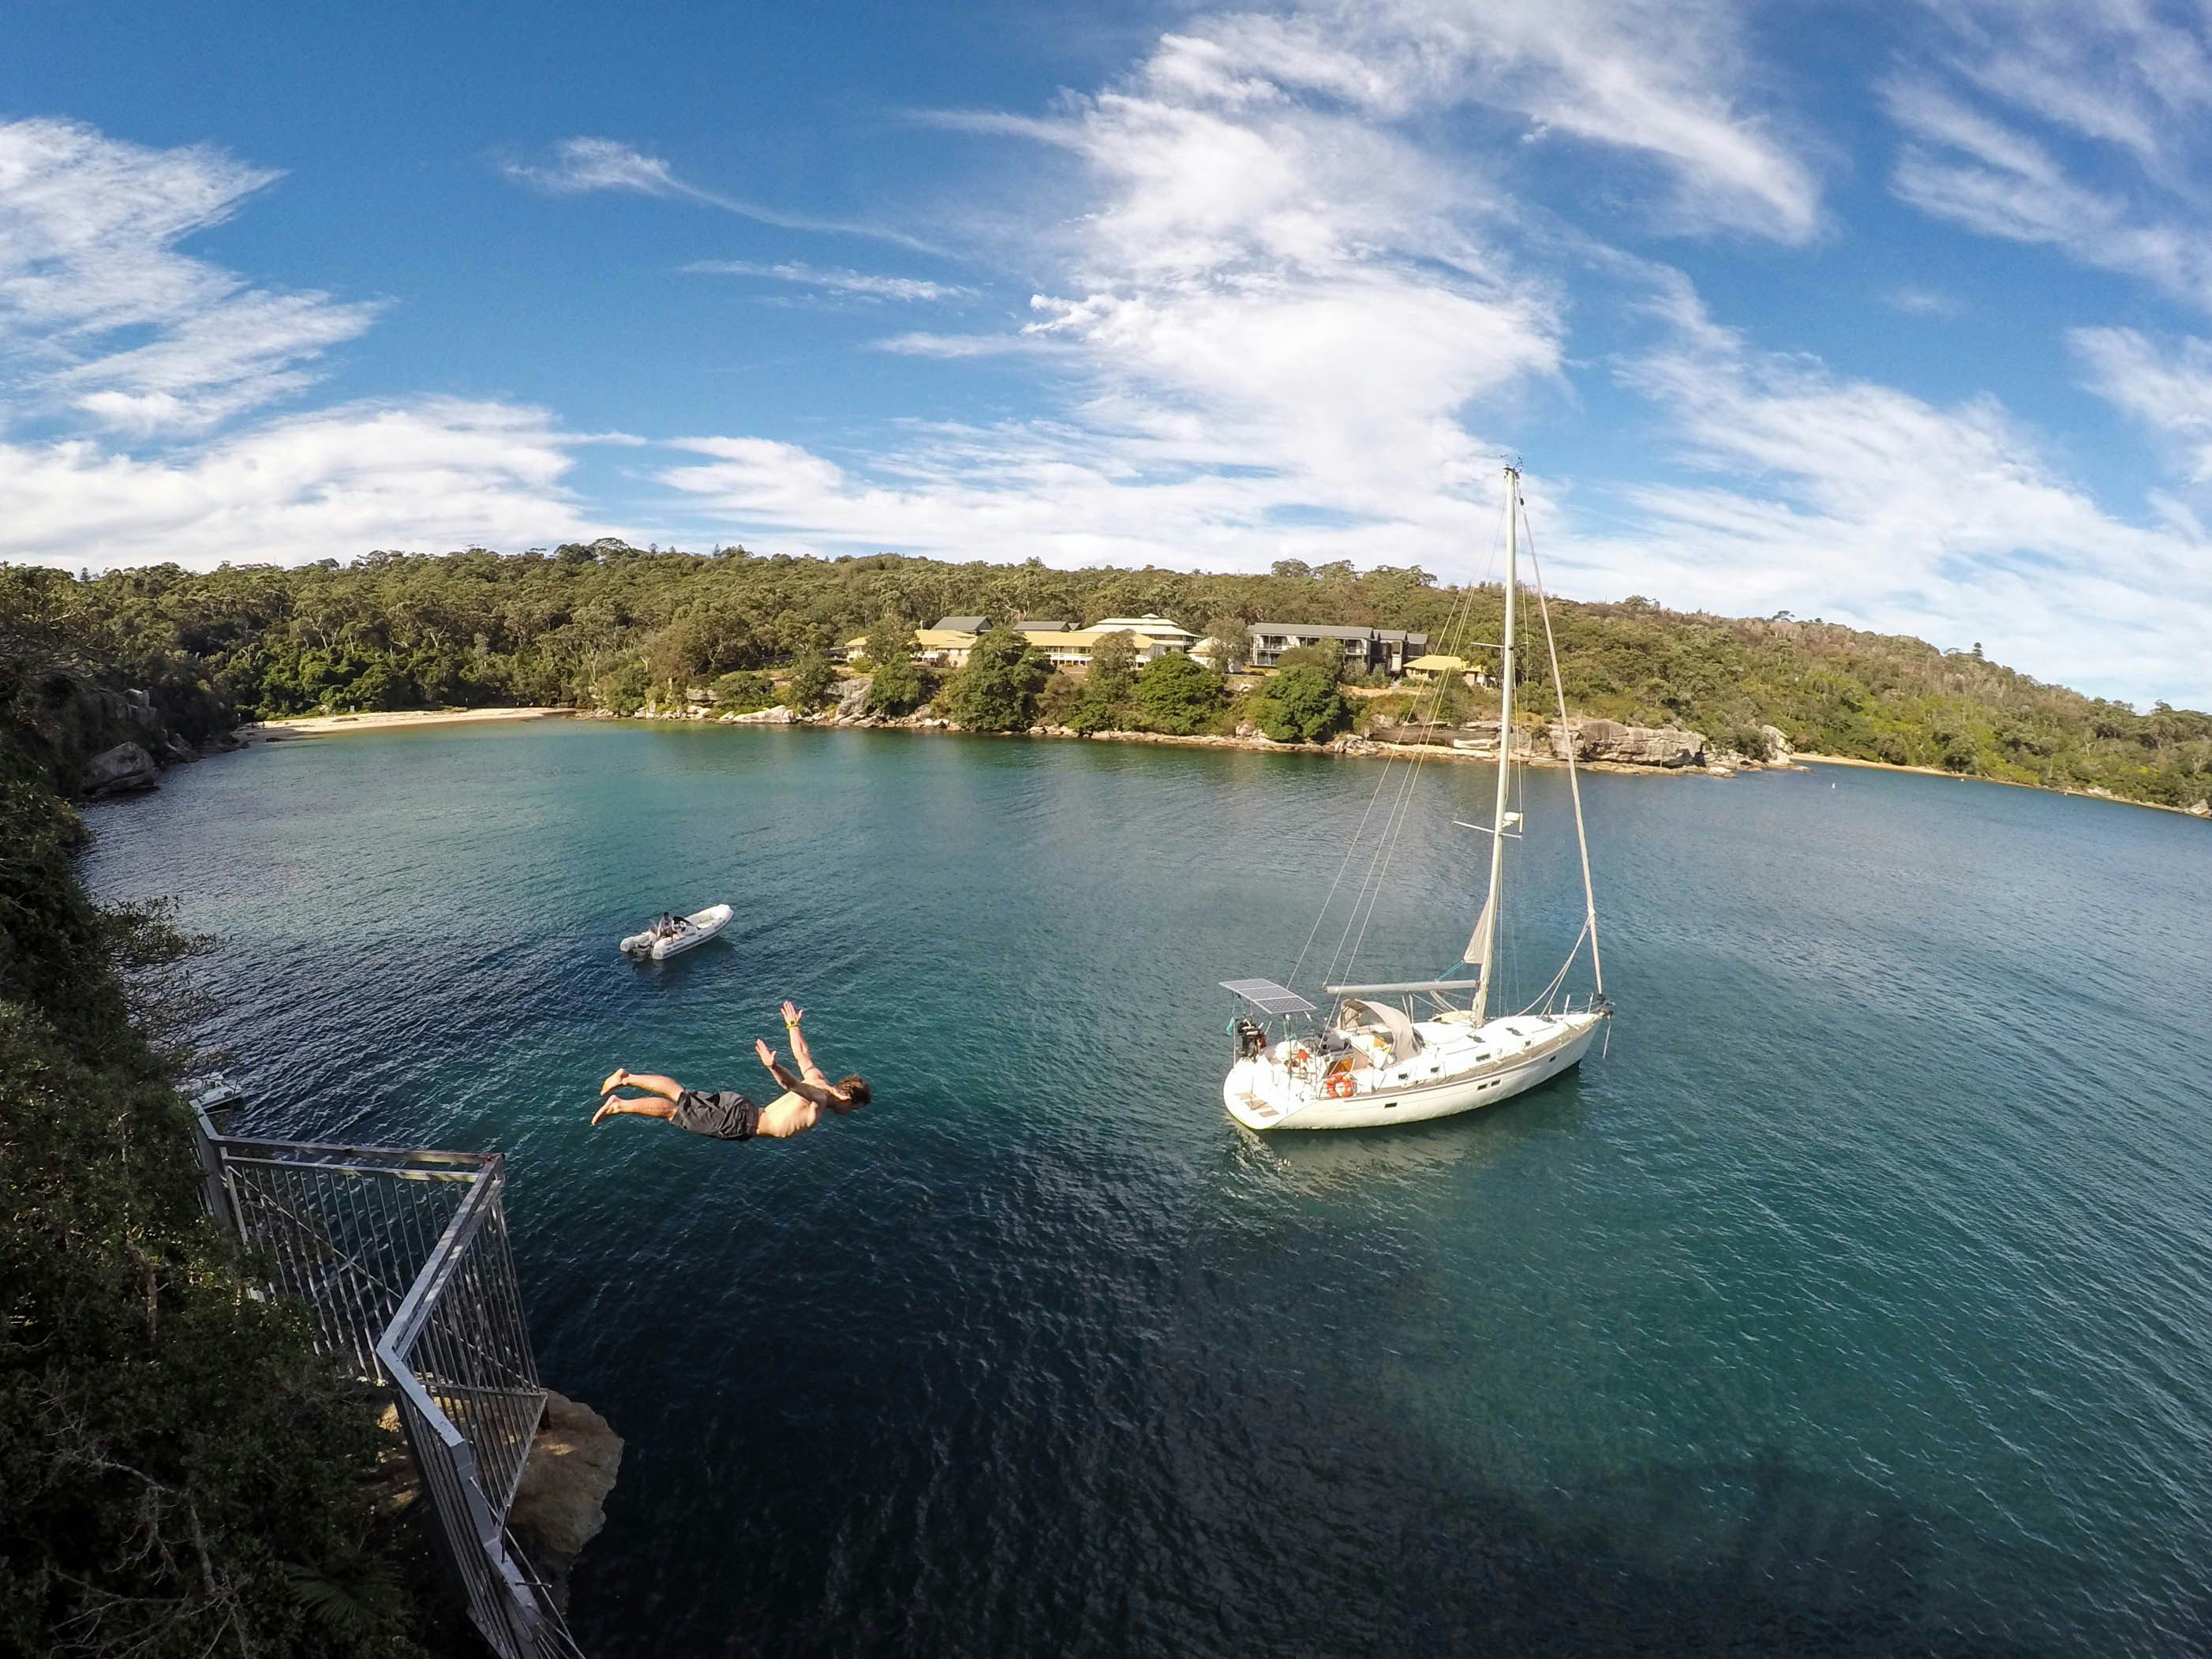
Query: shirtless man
pixel 728 1115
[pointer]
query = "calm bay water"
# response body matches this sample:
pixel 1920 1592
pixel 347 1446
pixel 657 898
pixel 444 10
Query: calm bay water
pixel 1856 1301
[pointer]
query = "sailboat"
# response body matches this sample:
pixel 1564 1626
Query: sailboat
pixel 1405 1051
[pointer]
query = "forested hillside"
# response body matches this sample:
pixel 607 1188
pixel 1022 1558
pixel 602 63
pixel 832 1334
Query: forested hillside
pixel 606 624
pixel 181 1473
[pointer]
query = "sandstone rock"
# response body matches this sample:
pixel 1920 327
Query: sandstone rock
pixel 2202 809
pixel 1627 746
pixel 559 1507
pixel 1779 751
pixel 117 770
pixel 853 696
pixel 778 716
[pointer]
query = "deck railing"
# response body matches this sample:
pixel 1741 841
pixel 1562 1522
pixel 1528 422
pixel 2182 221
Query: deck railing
pixel 402 1256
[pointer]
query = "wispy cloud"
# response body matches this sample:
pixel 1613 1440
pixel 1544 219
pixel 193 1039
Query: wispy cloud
pixel 89 229
pixel 1922 302
pixel 110 331
pixel 2083 127
pixel 583 165
pixel 1861 503
pixel 2164 385
pixel 1275 304
pixel 860 284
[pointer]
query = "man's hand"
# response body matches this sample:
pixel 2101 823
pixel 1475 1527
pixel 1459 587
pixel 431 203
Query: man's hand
pixel 767 1055
pixel 792 1016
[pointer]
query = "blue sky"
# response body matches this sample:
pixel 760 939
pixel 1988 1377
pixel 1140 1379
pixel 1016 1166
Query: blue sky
pixel 1894 314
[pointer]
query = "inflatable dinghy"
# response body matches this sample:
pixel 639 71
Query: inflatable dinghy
pixel 695 929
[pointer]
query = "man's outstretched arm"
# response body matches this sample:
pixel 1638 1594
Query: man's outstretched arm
pixel 819 1093
pixel 808 1069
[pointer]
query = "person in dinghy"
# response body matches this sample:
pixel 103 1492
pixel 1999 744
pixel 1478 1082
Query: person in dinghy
pixel 725 1114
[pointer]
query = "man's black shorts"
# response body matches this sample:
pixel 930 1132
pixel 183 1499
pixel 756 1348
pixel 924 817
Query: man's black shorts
pixel 723 1113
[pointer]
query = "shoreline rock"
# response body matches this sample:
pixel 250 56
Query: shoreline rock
pixel 560 1504
pixel 121 770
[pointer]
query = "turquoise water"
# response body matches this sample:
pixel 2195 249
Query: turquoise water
pixel 1856 1301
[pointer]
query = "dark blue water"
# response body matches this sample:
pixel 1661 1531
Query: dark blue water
pixel 1856 1301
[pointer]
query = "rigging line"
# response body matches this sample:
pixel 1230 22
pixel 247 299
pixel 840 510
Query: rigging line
pixel 1338 965
pixel 1574 778
pixel 1344 864
pixel 1573 951
pixel 1392 831
pixel 1458 621
pixel 1371 887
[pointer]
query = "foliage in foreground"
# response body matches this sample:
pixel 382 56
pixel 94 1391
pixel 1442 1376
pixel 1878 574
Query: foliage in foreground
pixel 181 1472
pixel 608 624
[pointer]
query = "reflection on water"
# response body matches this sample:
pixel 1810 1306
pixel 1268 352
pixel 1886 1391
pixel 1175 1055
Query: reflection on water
pixel 1854 1302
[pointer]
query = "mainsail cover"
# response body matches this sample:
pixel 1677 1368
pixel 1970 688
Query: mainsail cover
pixel 1478 945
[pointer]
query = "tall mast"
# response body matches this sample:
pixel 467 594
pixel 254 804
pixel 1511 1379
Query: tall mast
pixel 1488 927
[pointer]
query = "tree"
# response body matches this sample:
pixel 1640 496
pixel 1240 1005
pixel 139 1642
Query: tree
pixel 1325 659
pixel 1106 684
pixel 898 686
pixel 812 680
pixel 891 639
pixel 1301 705
pixel 1232 642
pixel 1178 695
pixel 1296 568
pixel 997 691
pixel 742 691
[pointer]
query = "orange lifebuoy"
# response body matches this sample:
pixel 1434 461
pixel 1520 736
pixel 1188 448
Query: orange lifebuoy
pixel 1340 1086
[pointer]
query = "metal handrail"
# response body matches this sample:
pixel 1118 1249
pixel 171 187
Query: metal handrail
pixel 445 1332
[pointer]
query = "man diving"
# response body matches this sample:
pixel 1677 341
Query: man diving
pixel 728 1115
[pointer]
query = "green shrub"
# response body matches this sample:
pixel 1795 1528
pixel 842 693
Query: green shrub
pixel 742 692
pixel 898 686
pixel 1178 695
pixel 812 682
pixel 1301 705
pixel 623 691
pixel 997 691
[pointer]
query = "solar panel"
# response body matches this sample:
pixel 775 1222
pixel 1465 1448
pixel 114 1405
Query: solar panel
pixel 1268 997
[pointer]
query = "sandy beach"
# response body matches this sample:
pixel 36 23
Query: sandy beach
pixel 321 725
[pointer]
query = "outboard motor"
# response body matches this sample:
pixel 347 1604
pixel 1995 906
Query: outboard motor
pixel 1250 1038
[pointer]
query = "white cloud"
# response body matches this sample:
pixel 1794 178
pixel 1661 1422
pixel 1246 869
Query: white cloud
pixel 335 484
pixel 2080 126
pixel 2168 388
pixel 107 328
pixel 1861 503
pixel 1274 306
pixel 89 227
pixel 583 165
pixel 836 281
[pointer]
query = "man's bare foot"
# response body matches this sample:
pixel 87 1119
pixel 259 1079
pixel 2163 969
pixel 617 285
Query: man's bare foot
pixel 616 1078
pixel 606 1109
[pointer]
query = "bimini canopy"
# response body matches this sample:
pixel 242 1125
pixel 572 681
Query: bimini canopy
pixel 1404 1042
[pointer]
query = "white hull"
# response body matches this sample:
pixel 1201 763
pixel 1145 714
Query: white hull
pixel 1458 1069
pixel 698 927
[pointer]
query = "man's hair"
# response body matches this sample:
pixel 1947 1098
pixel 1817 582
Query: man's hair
pixel 854 1088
